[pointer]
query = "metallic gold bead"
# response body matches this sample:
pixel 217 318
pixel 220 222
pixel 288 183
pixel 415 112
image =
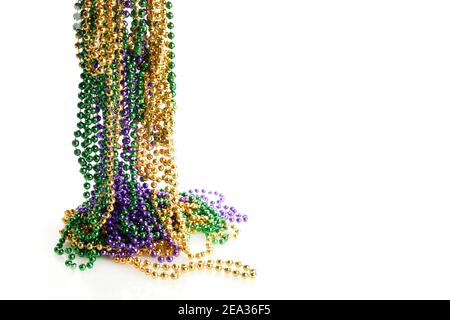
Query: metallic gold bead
pixel 229 263
pixel 227 270
pixel 238 264
pixel 253 273
pixel 244 275
pixel 163 275
pixel 236 273
pixel 218 268
pixel 165 266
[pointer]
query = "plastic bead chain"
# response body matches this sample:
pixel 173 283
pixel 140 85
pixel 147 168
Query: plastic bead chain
pixel 133 211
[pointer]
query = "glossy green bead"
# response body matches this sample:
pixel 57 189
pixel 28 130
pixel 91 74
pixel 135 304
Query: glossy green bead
pixel 82 267
pixel 82 161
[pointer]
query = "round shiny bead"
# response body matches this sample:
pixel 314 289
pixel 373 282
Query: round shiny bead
pixel 163 275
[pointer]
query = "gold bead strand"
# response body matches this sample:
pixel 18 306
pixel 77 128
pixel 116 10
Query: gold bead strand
pixel 112 122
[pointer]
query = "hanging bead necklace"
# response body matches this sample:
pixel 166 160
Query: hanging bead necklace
pixel 133 211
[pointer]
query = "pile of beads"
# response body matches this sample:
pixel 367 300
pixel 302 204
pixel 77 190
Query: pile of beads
pixel 133 211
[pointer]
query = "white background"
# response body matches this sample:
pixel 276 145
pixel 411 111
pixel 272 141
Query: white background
pixel 327 122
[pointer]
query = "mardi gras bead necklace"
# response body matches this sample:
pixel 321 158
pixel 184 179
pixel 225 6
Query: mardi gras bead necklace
pixel 133 211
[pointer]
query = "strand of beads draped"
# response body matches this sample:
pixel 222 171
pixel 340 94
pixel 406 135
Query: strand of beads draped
pixel 133 211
